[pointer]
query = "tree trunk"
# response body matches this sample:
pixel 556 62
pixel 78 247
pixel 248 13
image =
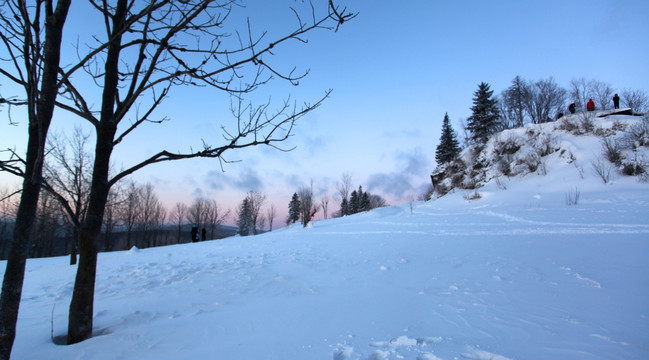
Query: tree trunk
pixel 81 306
pixel 40 116
pixel 15 273
pixel 75 246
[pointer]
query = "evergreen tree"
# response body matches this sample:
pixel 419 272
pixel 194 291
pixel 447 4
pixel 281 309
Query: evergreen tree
pixel 245 223
pixel 354 202
pixel 365 202
pixel 484 120
pixel 344 207
pixel 448 147
pixel 294 209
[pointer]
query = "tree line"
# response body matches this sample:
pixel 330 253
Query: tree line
pixel 134 216
pixel 303 206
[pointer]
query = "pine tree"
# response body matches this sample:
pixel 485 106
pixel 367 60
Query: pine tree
pixel 484 120
pixel 448 147
pixel 344 207
pixel 245 223
pixel 294 209
pixel 354 202
pixel 365 201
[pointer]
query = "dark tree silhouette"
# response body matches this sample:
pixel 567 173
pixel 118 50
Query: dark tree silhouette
pixel 31 34
pixel 484 118
pixel 448 147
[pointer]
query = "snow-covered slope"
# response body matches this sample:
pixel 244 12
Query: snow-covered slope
pixel 516 274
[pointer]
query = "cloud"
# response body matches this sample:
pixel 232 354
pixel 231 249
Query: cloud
pixel 395 184
pixel 246 179
pixel 406 180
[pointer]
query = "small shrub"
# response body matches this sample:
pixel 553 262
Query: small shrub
pixel 586 122
pixel 580 169
pixel 634 167
pixel 470 196
pixel 603 169
pixel 569 125
pixel 619 126
pixel 547 145
pixel 572 197
pixel 637 135
pixel 612 150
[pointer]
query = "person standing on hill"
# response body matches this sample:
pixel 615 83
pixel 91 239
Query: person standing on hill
pixel 194 233
pixel 590 106
pixel 572 108
pixel 616 102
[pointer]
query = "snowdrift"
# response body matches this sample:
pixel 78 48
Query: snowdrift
pixel 520 272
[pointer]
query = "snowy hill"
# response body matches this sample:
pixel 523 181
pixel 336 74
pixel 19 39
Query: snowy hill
pixel 545 264
pixel 600 141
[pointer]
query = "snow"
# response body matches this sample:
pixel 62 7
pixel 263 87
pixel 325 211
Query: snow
pixel 516 274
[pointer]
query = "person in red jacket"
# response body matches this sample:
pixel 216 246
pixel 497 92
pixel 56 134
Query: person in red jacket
pixel 590 106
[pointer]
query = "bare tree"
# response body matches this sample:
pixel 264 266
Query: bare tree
pixel 324 203
pixel 31 36
pixel 47 227
pixel 215 216
pixel 67 176
pixel 512 106
pixel 270 214
pixel 261 220
pixel 602 93
pixel 178 215
pixel 306 204
pixel 637 100
pixel 255 200
pixel 196 212
pixel 344 187
pixel 128 211
pixel 580 91
pixel 8 208
pixel 376 201
pixel 110 217
pixel 543 100
pixel 149 217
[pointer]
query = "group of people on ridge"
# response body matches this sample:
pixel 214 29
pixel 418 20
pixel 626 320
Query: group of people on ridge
pixel 195 237
pixel 590 105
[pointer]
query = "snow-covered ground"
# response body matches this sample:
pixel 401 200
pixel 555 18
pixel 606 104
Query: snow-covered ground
pixel 516 274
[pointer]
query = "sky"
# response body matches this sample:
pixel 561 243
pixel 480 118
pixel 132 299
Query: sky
pixel 395 70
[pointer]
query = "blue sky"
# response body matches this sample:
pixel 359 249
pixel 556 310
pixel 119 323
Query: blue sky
pixel 394 70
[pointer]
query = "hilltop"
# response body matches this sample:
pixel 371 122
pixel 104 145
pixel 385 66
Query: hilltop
pixel 610 142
